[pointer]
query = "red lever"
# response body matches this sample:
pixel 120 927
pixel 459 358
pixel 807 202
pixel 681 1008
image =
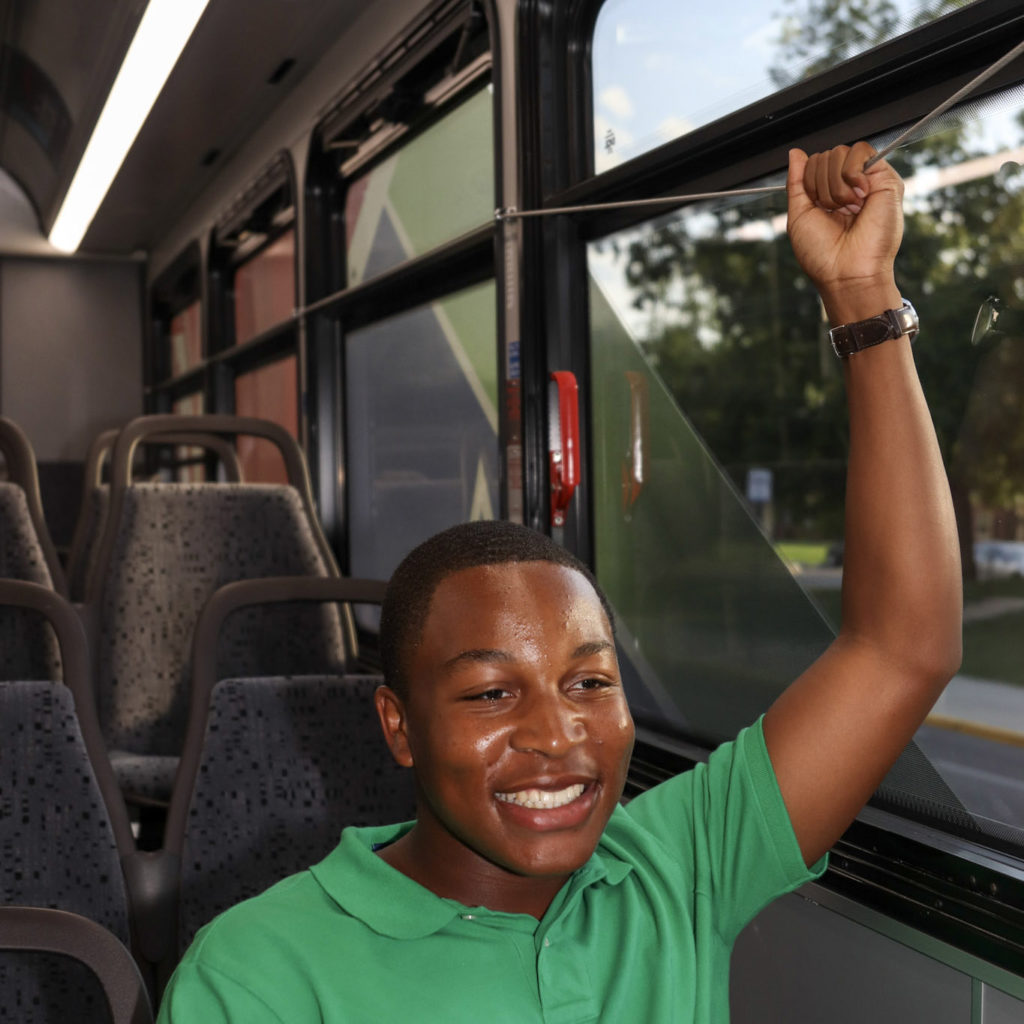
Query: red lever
pixel 564 442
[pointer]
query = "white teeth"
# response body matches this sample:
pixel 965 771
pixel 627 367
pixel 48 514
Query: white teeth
pixel 543 799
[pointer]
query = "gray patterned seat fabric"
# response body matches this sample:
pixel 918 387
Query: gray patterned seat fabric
pixel 47 988
pixel 286 765
pixel 28 647
pixel 58 849
pixel 176 544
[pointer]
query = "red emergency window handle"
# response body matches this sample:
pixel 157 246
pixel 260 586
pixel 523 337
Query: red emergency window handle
pixel 564 442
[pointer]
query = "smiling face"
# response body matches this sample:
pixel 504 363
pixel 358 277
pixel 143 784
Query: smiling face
pixel 516 725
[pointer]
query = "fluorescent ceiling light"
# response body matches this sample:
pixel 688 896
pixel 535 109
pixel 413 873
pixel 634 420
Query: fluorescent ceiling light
pixel 161 36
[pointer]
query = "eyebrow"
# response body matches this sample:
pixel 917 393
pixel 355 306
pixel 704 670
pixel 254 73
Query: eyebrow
pixel 479 654
pixel 491 654
pixel 593 647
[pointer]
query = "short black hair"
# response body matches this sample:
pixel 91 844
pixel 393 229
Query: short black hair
pixel 466 546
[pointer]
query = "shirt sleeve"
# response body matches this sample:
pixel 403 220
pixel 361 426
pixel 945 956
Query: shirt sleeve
pixel 727 823
pixel 201 993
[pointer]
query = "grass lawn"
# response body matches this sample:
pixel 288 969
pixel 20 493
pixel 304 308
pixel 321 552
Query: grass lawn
pixel 805 553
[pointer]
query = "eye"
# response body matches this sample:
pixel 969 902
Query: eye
pixel 488 696
pixel 592 683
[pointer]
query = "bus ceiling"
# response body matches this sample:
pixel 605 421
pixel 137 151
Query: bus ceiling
pixel 59 59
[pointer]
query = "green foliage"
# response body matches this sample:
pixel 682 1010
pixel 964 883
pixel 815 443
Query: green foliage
pixel 819 34
pixel 736 331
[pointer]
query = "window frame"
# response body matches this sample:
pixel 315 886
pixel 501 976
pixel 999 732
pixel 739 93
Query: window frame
pixel 333 309
pixel 952 887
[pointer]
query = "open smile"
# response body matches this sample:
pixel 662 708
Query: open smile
pixel 543 798
pixel 544 810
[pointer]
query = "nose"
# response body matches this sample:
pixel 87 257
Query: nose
pixel 549 725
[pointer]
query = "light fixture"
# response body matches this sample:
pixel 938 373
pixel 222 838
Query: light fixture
pixel 164 30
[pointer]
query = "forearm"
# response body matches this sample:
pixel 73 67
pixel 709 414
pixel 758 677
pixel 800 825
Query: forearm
pixel 835 732
pixel 901 580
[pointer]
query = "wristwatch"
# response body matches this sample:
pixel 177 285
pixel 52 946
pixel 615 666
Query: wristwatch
pixel 893 323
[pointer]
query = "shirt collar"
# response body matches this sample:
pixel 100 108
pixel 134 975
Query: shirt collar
pixel 390 903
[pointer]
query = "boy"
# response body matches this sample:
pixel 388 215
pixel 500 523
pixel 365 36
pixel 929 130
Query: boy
pixel 522 891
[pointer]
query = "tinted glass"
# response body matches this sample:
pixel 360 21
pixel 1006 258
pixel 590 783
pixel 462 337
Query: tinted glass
pixel 190 405
pixel 662 68
pixel 422 399
pixel 437 187
pixel 186 339
pixel 264 289
pixel 269 393
pixel 721 448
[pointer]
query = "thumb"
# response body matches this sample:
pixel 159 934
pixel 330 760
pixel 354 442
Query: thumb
pixel 799 201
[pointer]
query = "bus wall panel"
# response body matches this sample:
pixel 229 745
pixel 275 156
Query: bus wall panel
pixel 70 365
pixel 798 961
pixel 70 351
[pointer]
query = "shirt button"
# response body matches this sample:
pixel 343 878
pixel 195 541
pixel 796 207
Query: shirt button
pixel 468 917
pixel 547 942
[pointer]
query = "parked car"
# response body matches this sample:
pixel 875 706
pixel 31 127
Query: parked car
pixel 999 559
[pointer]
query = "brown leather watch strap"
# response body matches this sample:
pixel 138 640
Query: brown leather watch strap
pixel 893 323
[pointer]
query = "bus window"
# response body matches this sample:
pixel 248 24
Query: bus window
pixel 436 187
pixel 662 69
pixel 422 400
pixel 272 393
pixel 726 563
pixel 264 289
pixel 186 339
pixel 189 468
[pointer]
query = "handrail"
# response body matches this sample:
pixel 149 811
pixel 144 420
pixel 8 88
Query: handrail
pixel 45 930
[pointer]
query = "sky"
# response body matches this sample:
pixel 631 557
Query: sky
pixel 664 67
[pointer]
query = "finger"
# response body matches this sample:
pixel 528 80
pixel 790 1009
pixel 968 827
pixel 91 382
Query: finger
pixel 811 177
pixel 853 168
pixel 795 177
pixel 822 182
pixel 798 198
pixel 839 192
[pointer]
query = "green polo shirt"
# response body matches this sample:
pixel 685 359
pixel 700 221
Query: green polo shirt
pixel 642 932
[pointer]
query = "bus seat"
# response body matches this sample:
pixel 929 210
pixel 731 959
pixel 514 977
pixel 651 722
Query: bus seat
pixel 286 764
pixel 64 829
pixel 28 648
pixel 96 495
pixel 273 768
pixel 91 977
pixel 165 549
pixel 29 547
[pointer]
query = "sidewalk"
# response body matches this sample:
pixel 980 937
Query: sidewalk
pixel 992 706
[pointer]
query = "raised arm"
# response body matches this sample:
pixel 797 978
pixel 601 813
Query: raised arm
pixel 834 733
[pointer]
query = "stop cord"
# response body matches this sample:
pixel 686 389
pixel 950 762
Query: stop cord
pixel 964 91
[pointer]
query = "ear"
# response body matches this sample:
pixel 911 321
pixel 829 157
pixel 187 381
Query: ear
pixel 391 712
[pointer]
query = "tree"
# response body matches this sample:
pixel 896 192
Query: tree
pixel 731 315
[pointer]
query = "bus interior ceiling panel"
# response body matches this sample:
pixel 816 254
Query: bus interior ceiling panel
pixel 60 58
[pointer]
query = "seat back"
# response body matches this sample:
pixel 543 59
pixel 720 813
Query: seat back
pixel 273 769
pixel 175 545
pixel 64 831
pixel 96 496
pixel 28 648
pixel 166 547
pixel 286 764
pixel 84 973
pixel 39 550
